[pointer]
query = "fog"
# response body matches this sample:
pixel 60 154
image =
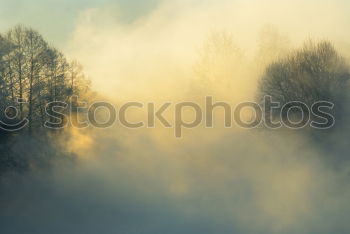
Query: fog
pixel 212 180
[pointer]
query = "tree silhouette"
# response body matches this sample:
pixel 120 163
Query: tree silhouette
pixel 311 74
pixel 33 74
pixel 33 71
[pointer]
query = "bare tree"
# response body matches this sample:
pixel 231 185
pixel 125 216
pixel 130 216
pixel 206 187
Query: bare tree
pixel 313 73
pixel 219 65
pixel 272 45
pixel 34 48
pixel 33 71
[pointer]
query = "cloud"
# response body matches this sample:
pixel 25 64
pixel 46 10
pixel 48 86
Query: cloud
pixel 157 51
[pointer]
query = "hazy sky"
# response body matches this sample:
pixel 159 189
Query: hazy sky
pixel 56 18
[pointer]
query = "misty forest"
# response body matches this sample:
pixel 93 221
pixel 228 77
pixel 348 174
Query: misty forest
pixel 57 176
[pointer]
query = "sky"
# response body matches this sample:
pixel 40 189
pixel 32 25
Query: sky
pixel 56 18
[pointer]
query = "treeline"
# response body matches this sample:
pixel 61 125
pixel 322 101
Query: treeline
pixel 32 74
